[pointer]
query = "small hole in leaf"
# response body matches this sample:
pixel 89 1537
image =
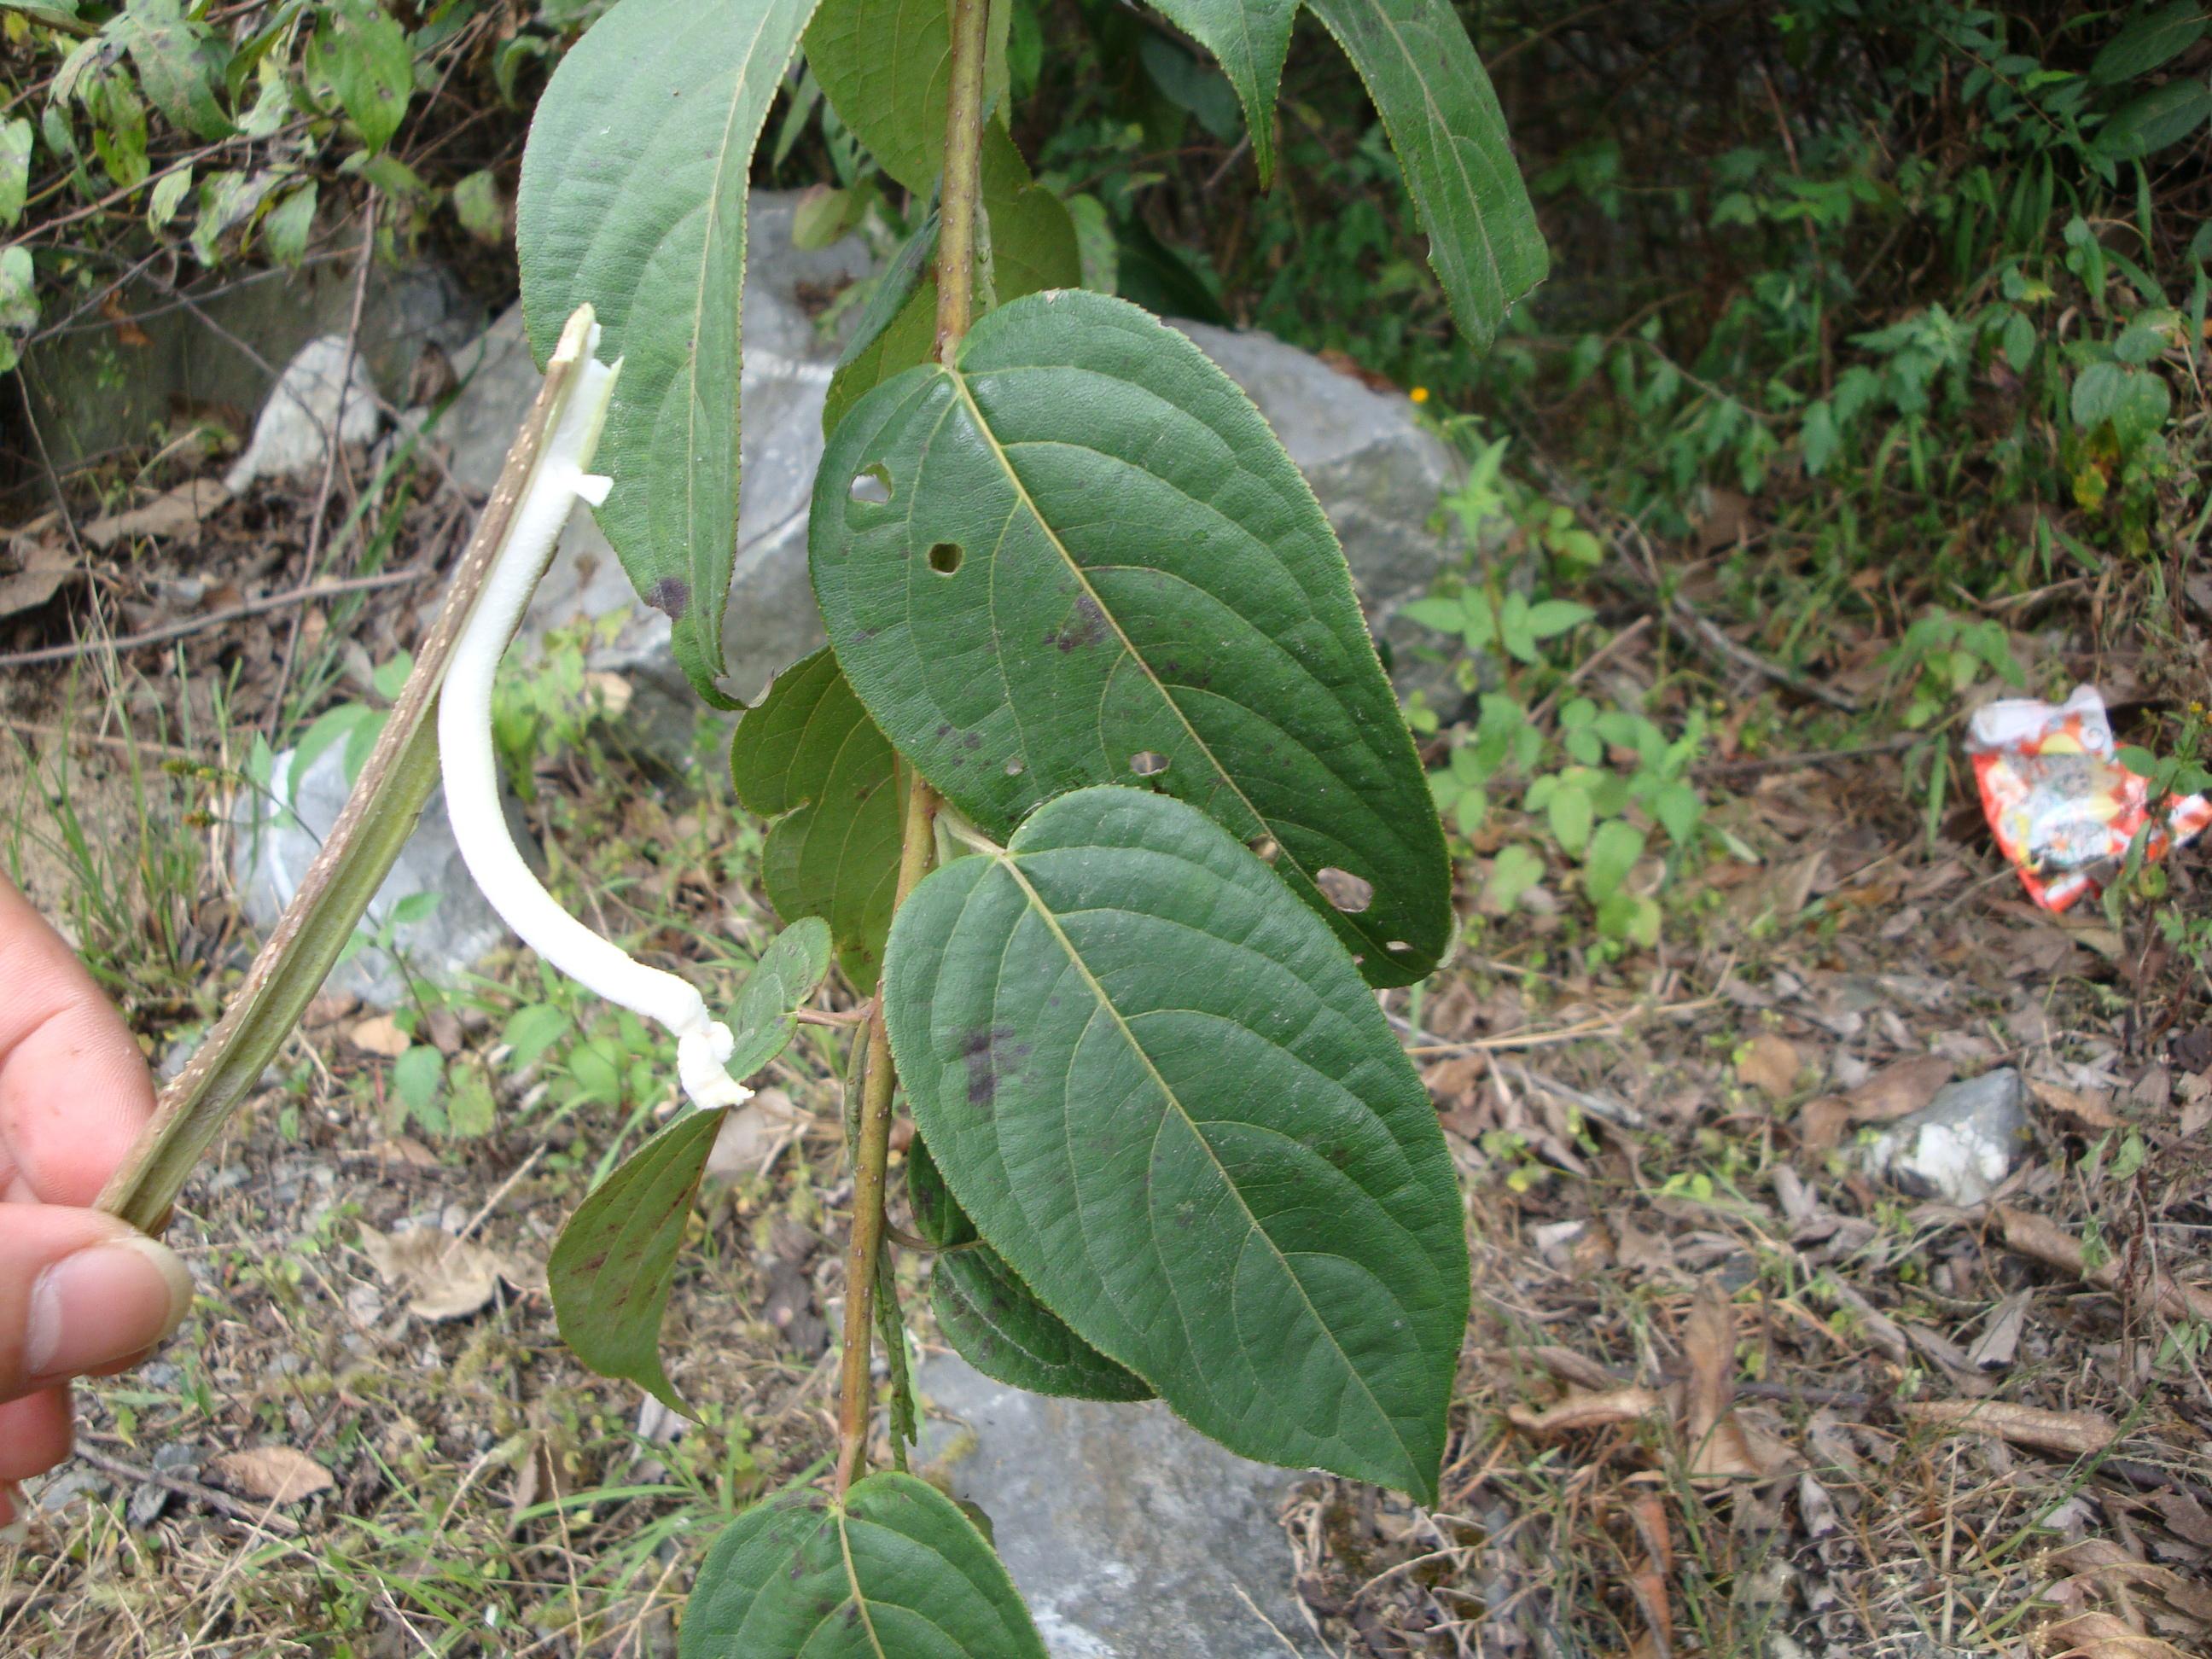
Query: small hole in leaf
pixel 1148 763
pixel 1344 889
pixel 944 557
pixel 1014 768
pixel 872 486
pixel 1264 848
pixel 1398 945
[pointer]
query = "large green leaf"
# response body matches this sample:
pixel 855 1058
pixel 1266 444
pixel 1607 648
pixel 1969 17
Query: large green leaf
pixel 633 197
pixel 1444 122
pixel 784 981
pixel 1159 1087
pixel 810 754
pixel 886 68
pixel 613 1264
pixel 1097 564
pixel 896 1571
pixel 1249 38
pixel 994 1320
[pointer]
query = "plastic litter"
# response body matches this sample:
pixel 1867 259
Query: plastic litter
pixel 2063 808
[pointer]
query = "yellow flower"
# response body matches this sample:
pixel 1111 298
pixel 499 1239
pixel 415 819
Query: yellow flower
pixel 1419 394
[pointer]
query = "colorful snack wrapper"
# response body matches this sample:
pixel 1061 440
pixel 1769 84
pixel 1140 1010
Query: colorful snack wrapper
pixel 2062 808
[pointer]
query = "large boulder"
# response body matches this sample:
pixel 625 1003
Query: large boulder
pixel 772 620
pixel 1129 1535
pixel 437 937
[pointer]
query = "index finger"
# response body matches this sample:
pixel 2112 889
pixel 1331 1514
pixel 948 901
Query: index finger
pixel 74 1089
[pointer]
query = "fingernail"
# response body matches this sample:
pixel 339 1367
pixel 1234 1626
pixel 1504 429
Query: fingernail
pixel 104 1303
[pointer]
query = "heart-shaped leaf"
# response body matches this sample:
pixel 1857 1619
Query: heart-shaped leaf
pixel 785 979
pixel 1444 122
pixel 1080 556
pixel 994 1319
pixel 895 1571
pixel 633 197
pixel 810 753
pixel 613 1263
pixel 1158 1086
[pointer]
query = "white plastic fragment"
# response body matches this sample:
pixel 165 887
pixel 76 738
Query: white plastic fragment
pixel 703 1044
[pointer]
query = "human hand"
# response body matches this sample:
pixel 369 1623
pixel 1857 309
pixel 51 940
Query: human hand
pixel 82 1293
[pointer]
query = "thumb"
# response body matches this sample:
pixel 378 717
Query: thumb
pixel 80 1290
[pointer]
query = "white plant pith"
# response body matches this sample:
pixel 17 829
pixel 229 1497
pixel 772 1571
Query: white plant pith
pixel 561 478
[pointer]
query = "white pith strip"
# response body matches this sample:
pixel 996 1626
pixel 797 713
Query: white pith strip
pixel 703 1045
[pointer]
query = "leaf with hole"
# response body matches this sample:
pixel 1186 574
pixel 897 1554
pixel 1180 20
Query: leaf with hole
pixel 895 1571
pixel 362 51
pixel 789 972
pixel 810 757
pixel 1081 547
pixel 633 198
pixel 1444 122
pixel 1162 1092
pixel 994 1319
pixel 613 1264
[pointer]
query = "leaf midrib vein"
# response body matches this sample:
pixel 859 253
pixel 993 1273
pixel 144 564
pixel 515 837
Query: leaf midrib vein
pixel 1009 861
pixel 1021 492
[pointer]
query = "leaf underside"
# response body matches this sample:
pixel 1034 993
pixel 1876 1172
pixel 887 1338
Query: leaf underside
pixel 897 1572
pixel 785 979
pixel 613 1264
pixel 810 757
pixel 994 1319
pixel 633 197
pixel 1444 122
pixel 1163 1095
pixel 1097 565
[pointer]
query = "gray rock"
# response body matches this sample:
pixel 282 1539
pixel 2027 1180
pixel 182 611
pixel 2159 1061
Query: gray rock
pixel 1128 1534
pixel 1960 1145
pixel 274 849
pixel 324 389
pixel 772 620
pixel 94 394
pixel 1376 471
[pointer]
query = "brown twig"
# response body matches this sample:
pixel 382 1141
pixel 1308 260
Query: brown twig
pixel 2042 1240
pixel 229 1506
pixel 306 595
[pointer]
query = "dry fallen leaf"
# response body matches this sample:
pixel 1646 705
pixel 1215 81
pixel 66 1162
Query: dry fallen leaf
pixel 2039 1236
pixel 2072 1434
pixel 2000 1338
pixel 176 513
pixel 1580 1410
pixel 45 569
pixel 276 1473
pixel 1647 1578
pixel 445 1278
pixel 1899 1089
pixel 1770 1064
pixel 751 1135
pixel 2100 1636
pixel 2089 1110
pixel 379 1036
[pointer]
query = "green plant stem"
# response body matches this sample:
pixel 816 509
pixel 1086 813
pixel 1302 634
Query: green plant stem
pixel 956 290
pixel 855 1397
pixel 356 855
pixel 964 148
